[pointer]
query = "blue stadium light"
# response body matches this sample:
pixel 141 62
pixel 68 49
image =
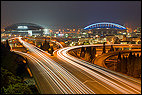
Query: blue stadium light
pixel 104 25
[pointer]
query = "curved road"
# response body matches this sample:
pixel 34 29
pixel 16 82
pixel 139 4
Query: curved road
pixel 113 80
pixel 65 74
pixel 58 79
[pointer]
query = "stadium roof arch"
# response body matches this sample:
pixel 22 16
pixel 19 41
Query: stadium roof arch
pixel 23 26
pixel 104 25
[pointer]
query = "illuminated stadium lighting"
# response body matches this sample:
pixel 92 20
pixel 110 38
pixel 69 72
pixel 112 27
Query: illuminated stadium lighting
pixel 22 27
pixel 104 25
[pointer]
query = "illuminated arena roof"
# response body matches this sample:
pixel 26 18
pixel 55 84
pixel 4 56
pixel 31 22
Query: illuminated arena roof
pixel 104 25
pixel 23 26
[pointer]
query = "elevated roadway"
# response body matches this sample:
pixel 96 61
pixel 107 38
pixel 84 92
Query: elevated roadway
pixel 65 74
pixel 113 79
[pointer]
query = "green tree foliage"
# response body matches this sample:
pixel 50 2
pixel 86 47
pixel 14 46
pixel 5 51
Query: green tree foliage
pixel 18 88
pixel 12 84
pixel 11 64
pixel 8 78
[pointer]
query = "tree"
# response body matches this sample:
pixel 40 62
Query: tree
pixel 7 45
pixel 117 41
pixel 130 64
pixel 52 50
pixel 137 68
pixel 124 65
pixel 82 54
pixel 46 46
pixel 41 46
pixel 104 50
pixel 88 54
pixel 12 84
pixel 18 88
pixel 119 63
pixel 8 78
pixel 111 49
pixel 133 42
pixel 93 53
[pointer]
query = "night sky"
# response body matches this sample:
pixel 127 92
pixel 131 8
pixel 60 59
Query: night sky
pixel 49 13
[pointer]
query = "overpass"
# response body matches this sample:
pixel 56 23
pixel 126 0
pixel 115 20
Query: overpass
pixel 64 74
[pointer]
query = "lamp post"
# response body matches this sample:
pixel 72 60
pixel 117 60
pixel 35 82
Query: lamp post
pixel 130 46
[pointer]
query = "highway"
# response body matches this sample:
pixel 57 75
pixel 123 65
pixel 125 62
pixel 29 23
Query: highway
pixel 124 84
pixel 65 74
pixel 58 79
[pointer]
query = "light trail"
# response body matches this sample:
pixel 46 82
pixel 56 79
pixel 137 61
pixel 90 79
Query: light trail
pixel 64 80
pixel 120 82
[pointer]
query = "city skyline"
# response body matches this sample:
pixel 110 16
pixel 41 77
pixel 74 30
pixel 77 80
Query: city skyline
pixel 61 13
pixel 71 47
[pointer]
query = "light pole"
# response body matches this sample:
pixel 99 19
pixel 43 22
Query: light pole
pixel 130 46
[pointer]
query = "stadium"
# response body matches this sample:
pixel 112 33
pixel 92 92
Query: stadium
pixel 105 28
pixel 24 29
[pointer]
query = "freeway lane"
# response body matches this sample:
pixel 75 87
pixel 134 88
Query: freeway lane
pixel 62 81
pixel 119 82
pixel 38 74
pixel 93 83
pixel 78 76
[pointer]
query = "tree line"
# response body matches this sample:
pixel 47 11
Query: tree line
pixel 130 65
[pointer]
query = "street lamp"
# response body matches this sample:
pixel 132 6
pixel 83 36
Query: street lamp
pixel 130 47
